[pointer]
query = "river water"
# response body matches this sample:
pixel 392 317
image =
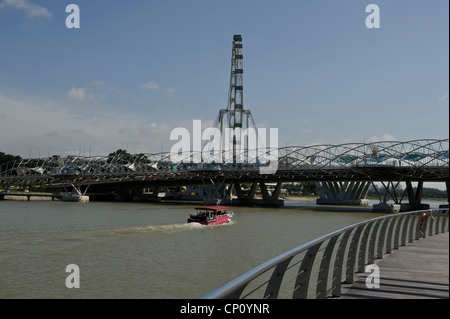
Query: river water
pixel 142 250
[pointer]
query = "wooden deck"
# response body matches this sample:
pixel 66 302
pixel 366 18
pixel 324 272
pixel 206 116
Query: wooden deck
pixel 419 270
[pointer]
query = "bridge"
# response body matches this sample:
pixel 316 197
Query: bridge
pixel 343 173
pixel 338 170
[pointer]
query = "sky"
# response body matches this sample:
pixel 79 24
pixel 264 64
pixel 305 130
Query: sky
pixel 135 70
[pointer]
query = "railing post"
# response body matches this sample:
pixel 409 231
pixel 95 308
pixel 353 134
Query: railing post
pixel 412 228
pixel 362 248
pixel 382 238
pixel 373 237
pixel 406 220
pixel 339 263
pixel 304 273
pixel 273 287
pixel 438 220
pixel 399 219
pixel 448 220
pixel 430 227
pixel 322 279
pixel 390 234
pixel 351 260
pixel 444 220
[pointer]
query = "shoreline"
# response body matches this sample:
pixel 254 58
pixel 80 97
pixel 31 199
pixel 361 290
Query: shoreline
pixel 300 198
pixel 24 198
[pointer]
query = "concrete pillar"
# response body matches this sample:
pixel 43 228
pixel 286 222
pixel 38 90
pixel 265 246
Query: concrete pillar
pixel 276 191
pixel 339 193
pixel 264 191
pixel 252 192
pixel 250 200
pixel 238 190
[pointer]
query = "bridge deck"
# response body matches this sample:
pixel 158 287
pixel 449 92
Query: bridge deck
pixel 417 271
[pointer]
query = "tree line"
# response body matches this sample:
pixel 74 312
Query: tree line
pixel 5 158
pixel 426 193
pixel 303 188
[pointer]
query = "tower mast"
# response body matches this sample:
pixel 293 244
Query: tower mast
pixel 235 108
pixel 236 98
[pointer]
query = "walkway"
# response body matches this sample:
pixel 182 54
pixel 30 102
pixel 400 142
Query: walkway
pixel 419 270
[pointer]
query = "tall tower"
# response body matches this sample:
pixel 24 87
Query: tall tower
pixel 236 98
pixel 237 117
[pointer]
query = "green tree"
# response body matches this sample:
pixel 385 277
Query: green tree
pixel 120 156
pixel 5 158
pixel 123 157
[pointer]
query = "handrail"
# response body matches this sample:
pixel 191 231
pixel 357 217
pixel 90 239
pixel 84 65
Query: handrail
pixel 332 259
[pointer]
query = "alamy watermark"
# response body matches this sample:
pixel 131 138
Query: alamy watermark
pixel 73 279
pixel 232 146
pixel 373 279
pixel 373 19
pixel 73 19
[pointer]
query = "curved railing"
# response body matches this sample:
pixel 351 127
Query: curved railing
pixel 413 154
pixel 318 268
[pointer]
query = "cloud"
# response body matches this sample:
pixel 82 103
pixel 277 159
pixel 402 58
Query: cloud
pixel 49 126
pixel 99 83
pixel 83 94
pixel 152 85
pixel 171 90
pixel 31 9
pixel 77 94
pixel 443 98
pixel 384 138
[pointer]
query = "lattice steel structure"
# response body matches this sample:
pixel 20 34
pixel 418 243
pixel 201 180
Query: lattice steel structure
pixel 417 160
pixel 235 116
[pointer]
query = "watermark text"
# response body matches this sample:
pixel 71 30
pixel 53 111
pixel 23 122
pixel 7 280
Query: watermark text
pixel 233 145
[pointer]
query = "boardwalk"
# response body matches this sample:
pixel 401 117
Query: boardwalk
pixel 417 271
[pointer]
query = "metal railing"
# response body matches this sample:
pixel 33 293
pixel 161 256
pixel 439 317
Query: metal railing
pixel 317 269
pixel 415 154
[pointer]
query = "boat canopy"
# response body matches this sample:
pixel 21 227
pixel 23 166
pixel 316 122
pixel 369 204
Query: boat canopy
pixel 213 208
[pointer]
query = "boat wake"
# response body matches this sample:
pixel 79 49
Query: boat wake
pixel 155 229
pixel 169 228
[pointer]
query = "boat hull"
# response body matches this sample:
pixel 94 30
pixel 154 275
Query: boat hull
pixel 217 221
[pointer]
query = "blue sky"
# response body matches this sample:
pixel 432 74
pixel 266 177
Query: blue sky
pixel 135 70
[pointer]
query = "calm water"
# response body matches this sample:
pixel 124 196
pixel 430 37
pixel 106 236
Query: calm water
pixel 141 250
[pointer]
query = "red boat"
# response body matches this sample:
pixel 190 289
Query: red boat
pixel 211 215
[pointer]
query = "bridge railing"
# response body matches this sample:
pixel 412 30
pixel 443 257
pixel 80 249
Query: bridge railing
pixel 413 154
pixel 317 269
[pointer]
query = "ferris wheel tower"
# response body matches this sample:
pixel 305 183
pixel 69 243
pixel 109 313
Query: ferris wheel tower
pixel 235 112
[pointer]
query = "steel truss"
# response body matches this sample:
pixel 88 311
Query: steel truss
pixel 418 160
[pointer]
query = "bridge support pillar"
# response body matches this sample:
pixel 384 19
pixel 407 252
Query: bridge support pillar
pixel 343 193
pixel 390 192
pixel 148 197
pixel 414 199
pixel 216 194
pixel 75 196
pixel 247 198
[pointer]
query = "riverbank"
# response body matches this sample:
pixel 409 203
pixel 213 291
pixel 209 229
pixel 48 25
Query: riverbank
pixel 300 198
